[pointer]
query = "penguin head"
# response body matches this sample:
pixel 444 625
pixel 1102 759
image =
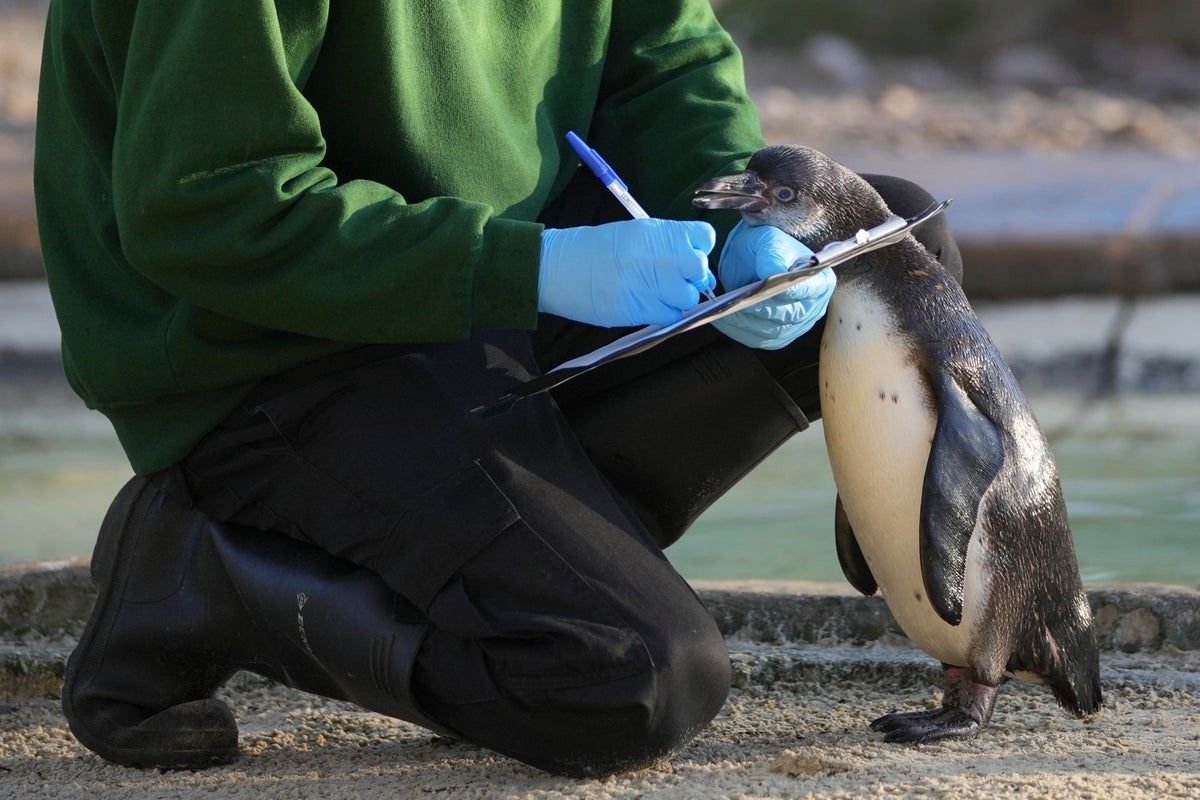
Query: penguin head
pixel 799 190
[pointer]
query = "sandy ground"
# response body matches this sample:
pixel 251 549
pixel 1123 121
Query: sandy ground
pixel 790 741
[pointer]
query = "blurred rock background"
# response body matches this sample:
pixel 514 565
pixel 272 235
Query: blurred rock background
pixel 979 74
pixel 1055 74
pixel 1068 132
pixel 21 23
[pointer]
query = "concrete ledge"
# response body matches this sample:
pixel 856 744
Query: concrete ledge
pixel 51 599
pixel 1020 268
pixel 44 599
pixel 35 669
pixel 900 665
pixel 779 632
pixel 1129 617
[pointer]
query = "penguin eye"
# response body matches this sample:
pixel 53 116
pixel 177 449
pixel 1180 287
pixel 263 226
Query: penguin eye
pixel 785 194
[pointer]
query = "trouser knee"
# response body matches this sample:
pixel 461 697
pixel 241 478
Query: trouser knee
pixel 599 723
pixel 644 717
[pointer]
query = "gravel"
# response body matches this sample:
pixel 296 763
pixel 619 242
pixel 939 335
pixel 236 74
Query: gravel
pixel 792 740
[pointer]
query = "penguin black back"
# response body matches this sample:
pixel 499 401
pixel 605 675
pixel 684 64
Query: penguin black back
pixel 982 572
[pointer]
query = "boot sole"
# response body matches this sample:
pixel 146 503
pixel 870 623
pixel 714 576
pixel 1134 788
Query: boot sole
pixel 117 571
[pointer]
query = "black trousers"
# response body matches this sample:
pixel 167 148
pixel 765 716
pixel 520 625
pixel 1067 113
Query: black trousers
pixel 531 541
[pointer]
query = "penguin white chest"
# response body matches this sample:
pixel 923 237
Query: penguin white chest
pixel 879 422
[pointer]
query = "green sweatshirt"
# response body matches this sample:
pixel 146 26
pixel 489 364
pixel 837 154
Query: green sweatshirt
pixel 230 188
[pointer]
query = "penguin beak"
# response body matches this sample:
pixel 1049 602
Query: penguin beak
pixel 744 192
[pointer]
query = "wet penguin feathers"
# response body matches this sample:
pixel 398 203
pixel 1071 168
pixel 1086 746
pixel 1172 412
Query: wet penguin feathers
pixel 850 556
pixel 949 502
pixel 799 190
pixel 1041 609
pixel 965 459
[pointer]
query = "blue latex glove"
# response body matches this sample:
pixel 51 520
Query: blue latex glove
pixel 634 272
pixel 752 253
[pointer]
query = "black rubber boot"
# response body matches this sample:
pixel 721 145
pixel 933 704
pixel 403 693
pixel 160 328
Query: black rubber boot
pixel 675 439
pixel 185 602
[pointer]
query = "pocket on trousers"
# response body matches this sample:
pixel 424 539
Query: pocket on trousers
pixel 467 558
pixel 288 413
pixel 540 621
pixel 440 531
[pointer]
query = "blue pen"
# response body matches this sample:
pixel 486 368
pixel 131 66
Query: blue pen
pixel 608 176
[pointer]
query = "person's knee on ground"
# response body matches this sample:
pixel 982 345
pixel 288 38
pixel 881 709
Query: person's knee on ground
pixel 689 684
pixel 595 726
pixel 572 684
pixel 589 694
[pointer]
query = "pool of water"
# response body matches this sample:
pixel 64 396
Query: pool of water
pixel 1130 471
pixel 1130 467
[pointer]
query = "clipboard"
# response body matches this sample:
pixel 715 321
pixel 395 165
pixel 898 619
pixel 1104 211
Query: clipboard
pixel 641 340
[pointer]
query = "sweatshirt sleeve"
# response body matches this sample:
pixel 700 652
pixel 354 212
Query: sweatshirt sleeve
pixel 673 109
pixel 222 199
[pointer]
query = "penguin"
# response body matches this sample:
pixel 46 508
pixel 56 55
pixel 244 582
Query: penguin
pixel 949 500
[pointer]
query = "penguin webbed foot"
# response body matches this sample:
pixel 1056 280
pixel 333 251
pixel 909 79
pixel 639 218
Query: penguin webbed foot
pixel 919 727
pixel 966 708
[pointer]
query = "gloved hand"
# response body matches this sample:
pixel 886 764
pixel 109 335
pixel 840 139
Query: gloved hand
pixel 752 253
pixel 634 272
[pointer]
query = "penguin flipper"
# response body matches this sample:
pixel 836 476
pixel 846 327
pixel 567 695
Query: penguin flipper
pixel 850 555
pixel 965 458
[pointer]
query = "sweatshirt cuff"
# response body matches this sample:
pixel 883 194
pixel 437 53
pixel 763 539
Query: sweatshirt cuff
pixel 505 293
